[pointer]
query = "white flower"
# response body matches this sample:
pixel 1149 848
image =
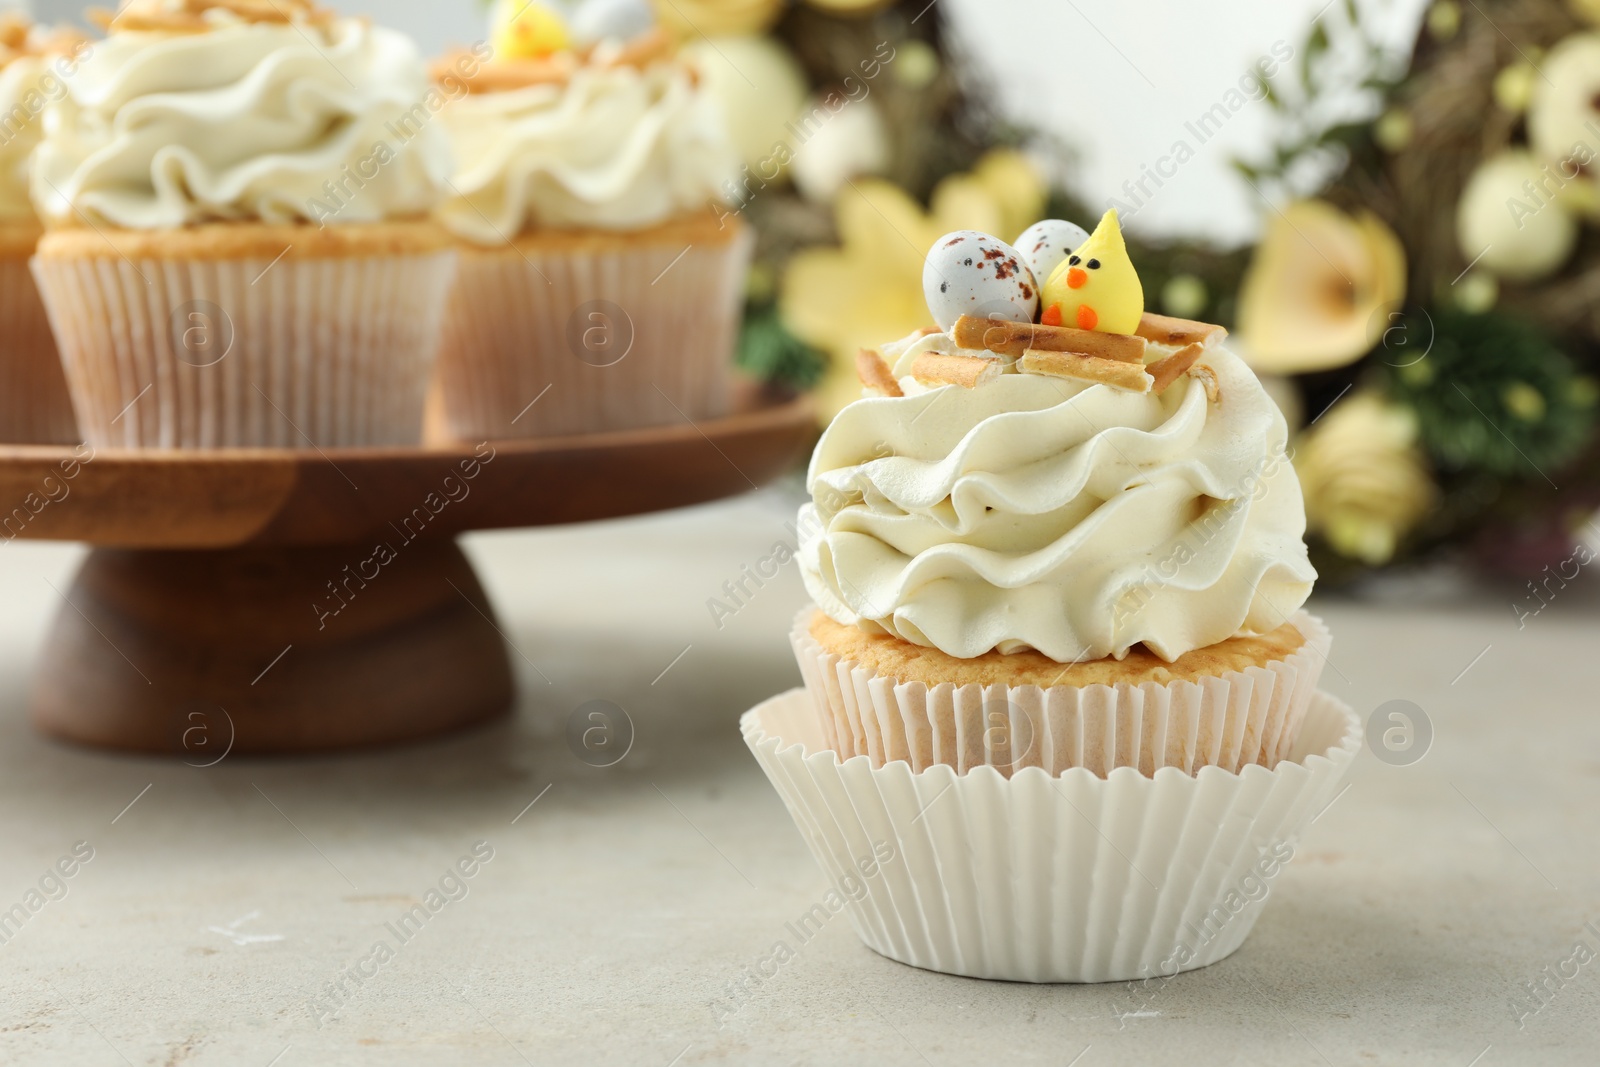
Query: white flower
pixel 1364 480
pixel 854 142
pixel 1518 234
pixel 760 86
pixel 1562 114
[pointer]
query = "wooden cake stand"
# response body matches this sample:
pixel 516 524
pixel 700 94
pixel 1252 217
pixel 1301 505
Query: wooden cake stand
pixel 300 601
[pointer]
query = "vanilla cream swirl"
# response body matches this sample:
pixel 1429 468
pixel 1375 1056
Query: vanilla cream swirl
pixel 615 148
pixel 19 133
pixel 1051 514
pixel 262 121
pixel 34 66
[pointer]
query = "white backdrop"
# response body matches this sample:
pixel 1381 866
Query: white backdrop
pixel 1118 79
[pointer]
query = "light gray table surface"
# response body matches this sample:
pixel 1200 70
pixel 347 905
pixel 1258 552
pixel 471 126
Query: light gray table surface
pixel 221 903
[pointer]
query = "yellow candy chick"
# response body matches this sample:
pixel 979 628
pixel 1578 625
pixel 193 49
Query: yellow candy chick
pixel 1096 288
pixel 528 30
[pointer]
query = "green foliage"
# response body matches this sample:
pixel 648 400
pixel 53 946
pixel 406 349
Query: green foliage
pixel 771 353
pixel 1493 394
pixel 1323 101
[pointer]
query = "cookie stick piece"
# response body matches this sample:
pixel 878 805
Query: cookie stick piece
pixel 1166 371
pixel 1164 330
pixel 1206 376
pixel 1130 376
pixel 875 373
pixel 1015 338
pixel 969 372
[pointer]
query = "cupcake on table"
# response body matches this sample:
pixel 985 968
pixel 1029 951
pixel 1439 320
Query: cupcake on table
pixel 1057 666
pixel 1097 518
pixel 237 195
pixel 35 64
pixel 601 278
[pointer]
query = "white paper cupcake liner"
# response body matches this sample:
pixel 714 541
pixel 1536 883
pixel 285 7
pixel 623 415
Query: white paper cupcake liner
pixel 604 335
pixel 34 405
pixel 1229 721
pixel 1050 879
pixel 334 352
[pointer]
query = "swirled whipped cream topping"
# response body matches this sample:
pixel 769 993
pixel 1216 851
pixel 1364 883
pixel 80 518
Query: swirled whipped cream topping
pixel 320 120
pixel 19 135
pixel 34 64
pixel 1046 513
pixel 616 147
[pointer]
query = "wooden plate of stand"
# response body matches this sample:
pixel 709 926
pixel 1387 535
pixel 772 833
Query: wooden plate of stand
pixel 297 601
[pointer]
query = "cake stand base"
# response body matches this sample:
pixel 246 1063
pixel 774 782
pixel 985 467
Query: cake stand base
pixel 290 601
pixel 271 650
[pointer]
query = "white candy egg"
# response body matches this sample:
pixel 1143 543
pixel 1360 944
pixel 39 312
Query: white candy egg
pixel 1045 244
pixel 972 273
pixel 593 21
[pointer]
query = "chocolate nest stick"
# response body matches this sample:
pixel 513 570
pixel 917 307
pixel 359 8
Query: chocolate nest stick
pixel 188 16
pixel 1015 338
pixel 1163 330
pixel 1168 370
pixel 1123 375
pixel 875 373
pixel 969 372
pixel 642 50
pixel 506 74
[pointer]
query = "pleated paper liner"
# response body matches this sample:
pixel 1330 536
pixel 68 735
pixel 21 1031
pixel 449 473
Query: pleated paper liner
pixel 237 353
pixel 1228 721
pixel 1035 878
pixel 565 333
pixel 34 405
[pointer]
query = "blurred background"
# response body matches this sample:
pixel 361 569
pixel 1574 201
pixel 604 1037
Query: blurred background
pixel 1391 205
pixel 1052 70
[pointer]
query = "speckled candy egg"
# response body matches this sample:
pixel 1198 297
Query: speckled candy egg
pixel 1045 244
pixel 972 273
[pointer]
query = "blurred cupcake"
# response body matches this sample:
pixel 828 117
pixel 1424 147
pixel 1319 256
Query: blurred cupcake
pixel 239 251
pixel 1044 546
pixel 34 67
pixel 598 265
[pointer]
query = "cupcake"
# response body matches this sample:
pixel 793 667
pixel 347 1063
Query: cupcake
pixel 1060 690
pixel 34 67
pixel 598 264
pixel 239 249
pixel 1057 545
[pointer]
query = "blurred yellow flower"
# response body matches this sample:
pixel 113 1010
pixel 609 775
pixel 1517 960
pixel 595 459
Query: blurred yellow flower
pixel 849 7
pixel 1394 130
pixel 868 291
pixel 1513 87
pixel 718 18
pixel 1587 10
pixel 1444 18
pixel 1319 289
pixel 1365 482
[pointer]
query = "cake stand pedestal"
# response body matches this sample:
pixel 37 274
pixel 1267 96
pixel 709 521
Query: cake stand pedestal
pixel 261 601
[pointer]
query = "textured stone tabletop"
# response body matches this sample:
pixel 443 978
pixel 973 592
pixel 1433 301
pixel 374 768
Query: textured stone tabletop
pixel 1444 911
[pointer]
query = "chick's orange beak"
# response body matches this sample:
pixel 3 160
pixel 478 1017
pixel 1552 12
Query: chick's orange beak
pixel 1077 278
